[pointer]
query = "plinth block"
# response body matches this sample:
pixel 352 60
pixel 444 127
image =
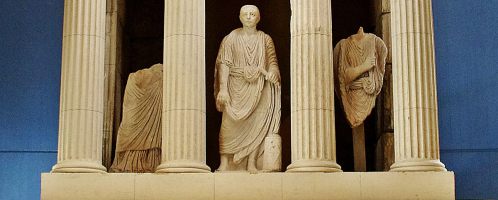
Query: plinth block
pixel 234 186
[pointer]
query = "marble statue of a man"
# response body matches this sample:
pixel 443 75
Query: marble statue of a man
pixel 359 62
pixel 247 91
pixel 359 66
pixel 138 145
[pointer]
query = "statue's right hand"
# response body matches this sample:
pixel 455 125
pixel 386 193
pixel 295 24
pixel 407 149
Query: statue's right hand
pixel 222 99
pixel 370 62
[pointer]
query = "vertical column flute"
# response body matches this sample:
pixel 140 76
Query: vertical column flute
pixel 312 88
pixel 184 108
pixel 82 88
pixel 414 82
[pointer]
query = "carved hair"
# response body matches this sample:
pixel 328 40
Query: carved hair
pixel 249 6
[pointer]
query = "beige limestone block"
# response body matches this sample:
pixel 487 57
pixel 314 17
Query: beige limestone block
pixel 198 186
pixel 82 87
pixel 77 186
pixel 312 93
pixel 233 186
pixel 319 186
pixel 184 109
pixel 245 186
pixel 414 82
pixel 402 185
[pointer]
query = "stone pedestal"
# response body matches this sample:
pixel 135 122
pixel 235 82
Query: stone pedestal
pixel 82 85
pixel 414 82
pixel 242 186
pixel 184 104
pixel 312 88
pixel 272 159
pixel 360 158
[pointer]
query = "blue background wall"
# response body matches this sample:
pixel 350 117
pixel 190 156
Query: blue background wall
pixel 467 76
pixel 467 71
pixel 30 57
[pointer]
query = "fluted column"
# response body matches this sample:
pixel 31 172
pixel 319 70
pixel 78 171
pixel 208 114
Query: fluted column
pixel 82 85
pixel 312 88
pixel 184 108
pixel 414 82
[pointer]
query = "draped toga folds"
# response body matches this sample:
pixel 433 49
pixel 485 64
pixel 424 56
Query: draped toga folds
pixel 254 109
pixel 138 146
pixel 358 96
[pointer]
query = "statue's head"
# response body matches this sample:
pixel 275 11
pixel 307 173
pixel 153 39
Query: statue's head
pixel 249 16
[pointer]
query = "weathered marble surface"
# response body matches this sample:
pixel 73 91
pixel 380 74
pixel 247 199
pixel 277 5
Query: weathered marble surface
pixel 138 146
pixel 247 91
pixel 359 65
pixel 359 62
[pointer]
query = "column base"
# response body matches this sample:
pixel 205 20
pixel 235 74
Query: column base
pixel 314 166
pixel 418 166
pixel 75 166
pixel 183 166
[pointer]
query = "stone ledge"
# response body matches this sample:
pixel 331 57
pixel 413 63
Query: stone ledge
pixel 220 186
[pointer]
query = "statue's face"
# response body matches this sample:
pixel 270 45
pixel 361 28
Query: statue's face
pixel 249 16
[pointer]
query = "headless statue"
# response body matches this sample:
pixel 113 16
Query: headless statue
pixel 359 66
pixel 138 146
pixel 247 91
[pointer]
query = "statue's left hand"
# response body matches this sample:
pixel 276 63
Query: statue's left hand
pixel 273 77
pixel 222 99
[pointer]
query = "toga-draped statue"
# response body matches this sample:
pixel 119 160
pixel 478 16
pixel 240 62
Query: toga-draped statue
pixel 247 91
pixel 359 66
pixel 138 145
pixel 359 63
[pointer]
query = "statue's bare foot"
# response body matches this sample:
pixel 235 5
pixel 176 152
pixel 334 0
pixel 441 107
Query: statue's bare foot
pixel 223 163
pixel 222 167
pixel 252 169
